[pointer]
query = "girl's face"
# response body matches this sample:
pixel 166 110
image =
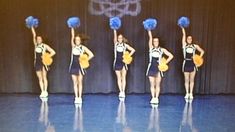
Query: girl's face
pixel 120 38
pixel 155 42
pixel 39 39
pixel 189 39
pixel 77 40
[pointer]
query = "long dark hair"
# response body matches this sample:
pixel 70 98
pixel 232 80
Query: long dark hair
pixel 84 38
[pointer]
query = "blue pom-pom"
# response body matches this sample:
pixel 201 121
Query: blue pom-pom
pixel 183 21
pixel 115 23
pixel 35 22
pixel 150 24
pixel 73 22
pixel 31 22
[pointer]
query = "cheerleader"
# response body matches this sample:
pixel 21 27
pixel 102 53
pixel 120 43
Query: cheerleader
pixel 75 69
pixel 155 55
pixel 120 46
pixel 189 68
pixel 41 69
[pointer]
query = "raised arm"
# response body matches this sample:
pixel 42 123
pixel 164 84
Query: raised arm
pixel 169 55
pixel 114 36
pixel 200 50
pixel 150 39
pixel 131 49
pixel 34 35
pixel 90 54
pixel 51 51
pixel 183 37
pixel 72 37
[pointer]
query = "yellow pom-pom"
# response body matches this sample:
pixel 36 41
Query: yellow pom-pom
pixel 163 60
pixel 127 59
pixel 162 65
pixel 198 60
pixel 84 61
pixel 46 59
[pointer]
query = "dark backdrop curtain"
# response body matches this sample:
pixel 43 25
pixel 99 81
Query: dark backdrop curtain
pixel 212 26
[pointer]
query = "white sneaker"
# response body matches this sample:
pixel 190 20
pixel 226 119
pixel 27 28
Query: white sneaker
pixel 119 95
pixel 79 100
pixel 41 95
pixel 44 99
pixel 190 96
pixel 186 96
pixel 76 100
pixel 122 95
pixel 156 101
pixel 45 94
pixel 152 101
pixel 78 105
pixel 121 99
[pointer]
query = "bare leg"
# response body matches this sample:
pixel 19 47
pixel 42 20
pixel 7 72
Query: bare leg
pixel 119 81
pixel 80 87
pixel 39 75
pixel 186 82
pixel 45 82
pixel 191 81
pixel 152 86
pixel 123 76
pixel 158 84
pixel 75 85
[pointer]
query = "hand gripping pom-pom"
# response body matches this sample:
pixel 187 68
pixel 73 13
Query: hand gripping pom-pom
pixel 150 24
pixel 115 23
pixel 73 22
pixel 127 59
pixel 84 61
pixel 46 59
pixel 163 66
pixel 198 60
pixel 183 22
pixel 30 22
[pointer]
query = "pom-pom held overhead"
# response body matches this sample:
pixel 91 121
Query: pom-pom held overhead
pixel 73 22
pixel 183 21
pixel 115 23
pixel 150 24
pixel 31 22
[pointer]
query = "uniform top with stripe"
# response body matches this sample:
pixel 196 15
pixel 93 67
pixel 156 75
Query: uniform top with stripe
pixel 188 51
pixel 77 50
pixel 39 48
pixel 119 47
pixel 155 53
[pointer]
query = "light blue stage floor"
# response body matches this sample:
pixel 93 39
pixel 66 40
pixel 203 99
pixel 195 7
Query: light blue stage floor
pixel 105 113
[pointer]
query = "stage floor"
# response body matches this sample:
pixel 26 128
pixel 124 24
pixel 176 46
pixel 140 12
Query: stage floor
pixel 105 113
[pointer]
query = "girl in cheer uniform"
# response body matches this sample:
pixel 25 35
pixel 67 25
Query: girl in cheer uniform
pixel 120 46
pixel 155 55
pixel 189 68
pixel 41 69
pixel 75 68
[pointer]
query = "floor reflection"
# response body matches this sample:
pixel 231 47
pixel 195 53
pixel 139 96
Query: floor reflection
pixel 43 116
pixel 121 119
pixel 154 120
pixel 187 118
pixel 78 119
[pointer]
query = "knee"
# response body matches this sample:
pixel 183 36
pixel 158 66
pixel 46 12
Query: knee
pixel 191 80
pixel 151 83
pixel 186 80
pixel 75 82
pixel 40 79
